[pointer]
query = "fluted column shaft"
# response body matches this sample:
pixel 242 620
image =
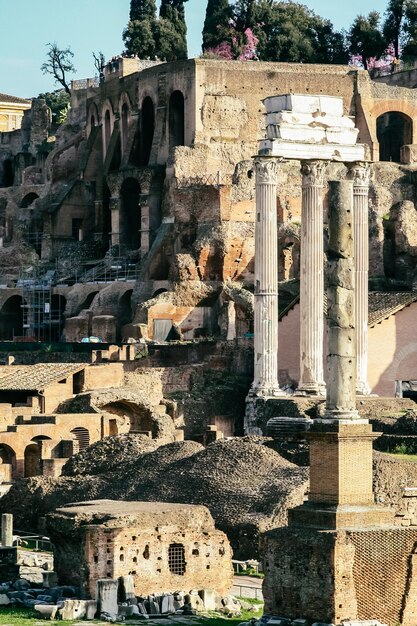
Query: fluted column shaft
pixel 360 174
pixel 265 381
pixel 311 279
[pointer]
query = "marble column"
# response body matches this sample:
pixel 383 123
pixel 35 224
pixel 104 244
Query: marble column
pixel 265 381
pixel 360 174
pixel 311 280
pixel 341 360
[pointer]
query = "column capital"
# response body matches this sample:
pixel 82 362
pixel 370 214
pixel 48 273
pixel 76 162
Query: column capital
pixel 360 173
pixel 313 173
pixel 266 170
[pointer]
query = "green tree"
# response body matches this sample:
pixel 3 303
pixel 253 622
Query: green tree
pixel 59 103
pixel 290 32
pixel 140 34
pixel 171 31
pixel 409 51
pixel 216 24
pixel 59 64
pixel 393 24
pixel 365 37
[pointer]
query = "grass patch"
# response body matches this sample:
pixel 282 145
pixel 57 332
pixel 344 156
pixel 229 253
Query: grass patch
pixel 19 616
pixel 404 457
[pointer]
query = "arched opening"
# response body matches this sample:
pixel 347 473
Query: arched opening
pixel 125 126
pixel 106 218
pixel 130 218
pixel 124 314
pixel 58 304
pixel 28 200
pixel 82 436
pixel 92 122
pixel 88 301
pixel 8 173
pixel 176 119
pixel 11 318
pixel 393 130
pixel 107 129
pixel 32 460
pixel 158 291
pixel 148 129
pixel 7 457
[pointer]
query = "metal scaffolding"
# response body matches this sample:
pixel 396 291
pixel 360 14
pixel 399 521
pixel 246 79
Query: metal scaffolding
pixel 42 314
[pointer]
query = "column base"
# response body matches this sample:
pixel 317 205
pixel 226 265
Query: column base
pixel 338 416
pixel 311 389
pixel 333 517
pixel 363 389
pixel 266 392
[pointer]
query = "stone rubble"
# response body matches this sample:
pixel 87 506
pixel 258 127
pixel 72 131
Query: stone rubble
pixel 63 603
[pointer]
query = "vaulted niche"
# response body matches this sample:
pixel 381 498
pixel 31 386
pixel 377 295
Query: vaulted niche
pixel 130 221
pixel 176 119
pixel 393 130
pixel 148 129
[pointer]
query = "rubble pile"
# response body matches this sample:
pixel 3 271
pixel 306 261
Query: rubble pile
pixel 115 601
pixel 247 486
pixel 108 454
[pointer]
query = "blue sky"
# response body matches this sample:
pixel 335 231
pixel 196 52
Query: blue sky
pixel 93 25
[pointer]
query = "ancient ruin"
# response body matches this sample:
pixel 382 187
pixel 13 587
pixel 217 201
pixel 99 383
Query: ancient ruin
pixel 164 547
pixel 162 295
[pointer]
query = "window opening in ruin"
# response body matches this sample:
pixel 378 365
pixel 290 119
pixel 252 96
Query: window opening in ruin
pixel 393 130
pixel 176 119
pixel 130 218
pixel 77 228
pixel 8 457
pixel 8 173
pixel 124 311
pixel 28 200
pixel 11 318
pixel 106 219
pixel 32 460
pixel 146 552
pixel 125 126
pixel 148 130
pixel 78 382
pixel 162 329
pixel 107 129
pixel 176 559
pixel 82 436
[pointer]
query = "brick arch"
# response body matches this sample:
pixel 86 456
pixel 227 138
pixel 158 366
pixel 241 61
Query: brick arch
pixel 386 106
pixel 107 117
pixel 93 117
pixel 381 107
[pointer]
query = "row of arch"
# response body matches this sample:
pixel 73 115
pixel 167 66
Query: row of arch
pixel 144 134
pixel 32 455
